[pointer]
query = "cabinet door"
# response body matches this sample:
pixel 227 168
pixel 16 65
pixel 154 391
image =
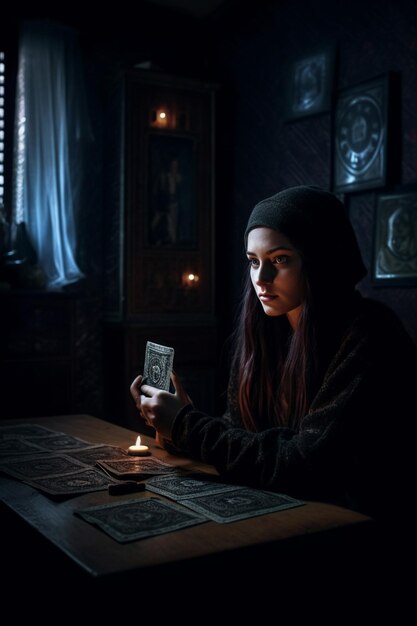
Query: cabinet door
pixel 169 197
pixel 159 225
pixel 37 354
pixel 37 388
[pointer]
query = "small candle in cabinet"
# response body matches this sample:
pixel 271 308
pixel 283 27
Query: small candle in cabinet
pixel 138 449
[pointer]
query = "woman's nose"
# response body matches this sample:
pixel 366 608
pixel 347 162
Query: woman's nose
pixel 266 273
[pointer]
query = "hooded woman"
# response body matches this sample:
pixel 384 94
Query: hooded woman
pixel 322 399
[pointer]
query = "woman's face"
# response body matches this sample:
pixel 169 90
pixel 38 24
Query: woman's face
pixel 276 273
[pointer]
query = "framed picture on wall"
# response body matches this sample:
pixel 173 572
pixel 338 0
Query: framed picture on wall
pixel 395 238
pixel 361 136
pixel 309 84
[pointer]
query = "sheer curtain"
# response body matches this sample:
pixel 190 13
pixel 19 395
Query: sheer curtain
pixel 51 122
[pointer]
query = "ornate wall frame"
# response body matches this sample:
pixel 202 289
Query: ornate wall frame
pixel 361 136
pixel 310 82
pixel 394 260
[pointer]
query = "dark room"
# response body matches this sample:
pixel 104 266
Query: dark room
pixel 208 309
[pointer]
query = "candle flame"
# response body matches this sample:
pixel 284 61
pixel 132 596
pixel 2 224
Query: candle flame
pixel 190 279
pixel 138 440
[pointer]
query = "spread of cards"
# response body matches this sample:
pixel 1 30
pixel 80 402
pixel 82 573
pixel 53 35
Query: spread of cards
pixel 159 361
pixel 62 466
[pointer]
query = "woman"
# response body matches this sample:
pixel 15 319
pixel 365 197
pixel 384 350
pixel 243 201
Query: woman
pixel 322 393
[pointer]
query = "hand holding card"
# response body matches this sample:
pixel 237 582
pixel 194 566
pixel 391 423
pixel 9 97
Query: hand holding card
pixel 156 404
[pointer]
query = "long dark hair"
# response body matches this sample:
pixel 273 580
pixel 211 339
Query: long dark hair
pixel 277 369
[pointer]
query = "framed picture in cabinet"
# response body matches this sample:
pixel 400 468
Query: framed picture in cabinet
pixel 171 218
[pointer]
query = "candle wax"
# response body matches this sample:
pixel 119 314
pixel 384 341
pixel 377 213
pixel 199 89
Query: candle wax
pixel 138 449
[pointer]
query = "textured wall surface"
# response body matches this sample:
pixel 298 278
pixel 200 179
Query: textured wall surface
pixel 247 52
pixel 251 54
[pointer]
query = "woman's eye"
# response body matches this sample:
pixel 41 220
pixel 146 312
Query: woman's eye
pixel 253 262
pixel 282 258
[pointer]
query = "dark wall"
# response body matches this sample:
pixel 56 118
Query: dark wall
pixel 247 52
pixel 259 153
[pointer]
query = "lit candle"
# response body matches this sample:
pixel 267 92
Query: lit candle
pixel 189 279
pixel 138 449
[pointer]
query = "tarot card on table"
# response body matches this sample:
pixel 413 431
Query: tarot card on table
pixel 135 468
pixel 137 519
pixel 82 481
pixel 192 485
pixel 240 504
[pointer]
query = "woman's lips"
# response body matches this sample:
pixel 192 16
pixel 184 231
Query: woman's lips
pixel 267 297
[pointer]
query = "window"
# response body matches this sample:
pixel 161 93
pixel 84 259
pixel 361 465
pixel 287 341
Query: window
pixel 50 123
pixel 2 121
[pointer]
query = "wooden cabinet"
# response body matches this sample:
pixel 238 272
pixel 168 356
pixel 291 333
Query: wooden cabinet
pixel 37 352
pixel 159 233
pixel 50 353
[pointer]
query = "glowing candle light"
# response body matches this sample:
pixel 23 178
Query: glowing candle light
pixel 189 279
pixel 138 449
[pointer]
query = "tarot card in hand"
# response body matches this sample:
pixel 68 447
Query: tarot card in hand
pixel 159 361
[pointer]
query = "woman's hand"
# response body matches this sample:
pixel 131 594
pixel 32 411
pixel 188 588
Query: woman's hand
pixel 158 407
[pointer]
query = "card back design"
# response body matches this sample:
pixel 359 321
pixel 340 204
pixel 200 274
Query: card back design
pixel 193 485
pixel 40 466
pixel 91 455
pixel 24 430
pixel 137 519
pixel 82 481
pixel 159 361
pixel 240 504
pixel 135 468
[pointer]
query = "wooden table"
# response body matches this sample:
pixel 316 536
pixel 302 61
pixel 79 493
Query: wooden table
pixel 292 539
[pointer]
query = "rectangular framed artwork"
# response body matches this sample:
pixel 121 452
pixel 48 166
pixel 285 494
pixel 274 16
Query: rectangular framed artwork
pixel 361 136
pixel 309 84
pixel 395 239
pixel 172 204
